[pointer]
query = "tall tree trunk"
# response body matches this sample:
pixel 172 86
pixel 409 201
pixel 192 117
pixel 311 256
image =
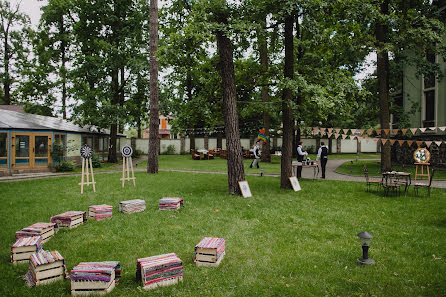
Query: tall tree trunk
pixel 263 51
pixel 287 115
pixel 192 140
pixel 152 161
pixel 236 171
pixel 122 96
pixel 63 70
pixel 139 128
pixel 7 79
pixel 381 32
pixel 112 156
pixel 219 139
pixel 300 54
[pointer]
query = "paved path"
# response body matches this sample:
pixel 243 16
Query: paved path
pixel 330 174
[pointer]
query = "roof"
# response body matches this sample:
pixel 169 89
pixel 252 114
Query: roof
pixel 27 121
pixel 18 108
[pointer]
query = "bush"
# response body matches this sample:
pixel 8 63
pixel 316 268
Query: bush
pixel 95 162
pixel 170 150
pixel 137 154
pixel 64 166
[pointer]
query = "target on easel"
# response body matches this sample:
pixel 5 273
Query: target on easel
pixel 127 165
pixel 86 154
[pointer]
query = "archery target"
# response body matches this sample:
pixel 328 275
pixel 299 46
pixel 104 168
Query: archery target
pixel 86 151
pixel 127 151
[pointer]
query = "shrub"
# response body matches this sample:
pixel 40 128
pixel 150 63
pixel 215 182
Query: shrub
pixel 137 153
pixel 64 166
pixel 170 150
pixel 95 162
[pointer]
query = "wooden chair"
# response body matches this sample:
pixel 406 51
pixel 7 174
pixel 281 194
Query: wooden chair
pixel 210 154
pixel 194 155
pixel 370 181
pixel 416 186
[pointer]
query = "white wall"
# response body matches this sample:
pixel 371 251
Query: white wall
pixel 347 145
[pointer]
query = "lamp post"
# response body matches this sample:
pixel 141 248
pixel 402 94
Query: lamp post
pixel 365 238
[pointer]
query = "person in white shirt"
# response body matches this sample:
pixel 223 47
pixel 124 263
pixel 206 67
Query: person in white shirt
pixel 300 158
pixel 322 154
pixel 256 155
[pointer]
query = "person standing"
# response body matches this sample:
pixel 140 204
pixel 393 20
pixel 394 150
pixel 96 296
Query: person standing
pixel 300 158
pixel 322 154
pixel 256 155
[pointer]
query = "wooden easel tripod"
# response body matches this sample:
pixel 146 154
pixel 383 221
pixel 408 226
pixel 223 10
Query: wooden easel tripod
pixel 86 163
pixel 126 163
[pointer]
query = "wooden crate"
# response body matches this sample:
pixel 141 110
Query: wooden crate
pixel 83 288
pixel 209 252
pixel 69 219
pixel 45 267
pixel 24 247
pixel 45 230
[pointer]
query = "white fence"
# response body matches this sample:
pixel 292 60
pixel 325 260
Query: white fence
pixel 346 145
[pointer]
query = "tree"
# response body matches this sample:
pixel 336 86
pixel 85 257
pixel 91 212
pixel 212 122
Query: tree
pixel 152 162
pixel 14 30
pixel 234 148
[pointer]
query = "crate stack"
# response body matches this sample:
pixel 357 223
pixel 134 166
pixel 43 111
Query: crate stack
pixel 210 251
pixel 44 230
pixel 24 247
pixel 170 203
pixel 131 206
pixel 91 278
pixel 45 267
pixel 69 219
pixel 159 271
pixel 100 212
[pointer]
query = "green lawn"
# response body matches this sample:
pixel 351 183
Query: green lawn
pixel 279 243
pixel 374 169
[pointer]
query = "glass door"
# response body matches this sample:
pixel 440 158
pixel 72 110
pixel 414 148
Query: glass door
pixel 31 150
pixel 4 150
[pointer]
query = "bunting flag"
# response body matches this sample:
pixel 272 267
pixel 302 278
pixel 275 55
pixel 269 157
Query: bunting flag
pixel 367 139
pixel 323 130
pixel 375 140
pixel 413 130
pixel 315 130
pixel 344 136
pixel 392 141
pixel 262 135
pixel 362 131
pixel 336 135
pixel 369 131
pixel 409 142
pixel 422 129
pixel 438 143
pixel 386 131
pixel 359 138
pixel 353 131
pixel 384 140
pixel 378 131
pixel 352 137
pixel 329 134
pixel 442 128
pixel 330 130
pixel 337 131
pixel 404 131
pixel 428 143
pixel 419 143
pixel 395 131
pixel 432 128
pixel 401 142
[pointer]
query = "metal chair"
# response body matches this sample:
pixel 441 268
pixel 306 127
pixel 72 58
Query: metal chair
pixel 416 186
pixel 370 181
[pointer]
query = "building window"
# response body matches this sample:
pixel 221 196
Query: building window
pixel 3 150
pixel 429 82
pixel 62 140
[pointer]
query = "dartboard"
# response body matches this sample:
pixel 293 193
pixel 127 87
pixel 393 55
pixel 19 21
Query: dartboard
pixel 86 151
pixel 126 151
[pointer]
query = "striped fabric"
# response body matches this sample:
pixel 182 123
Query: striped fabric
pixel 42 258
pixel 170 203
pixel 100 212
pixel 93 271
pixel 65 219
pixel 35 230
pixel 212 243
pixel 115 265
pixel 35 241
pixel 159 268
pixel 130 206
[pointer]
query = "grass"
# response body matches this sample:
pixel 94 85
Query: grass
pixel 279 243
pixel 374 169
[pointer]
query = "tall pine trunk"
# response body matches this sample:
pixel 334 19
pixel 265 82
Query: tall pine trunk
pixel 112 156
pixel 287 114
pixel 236 171
pixel 7 79
pixel 381 32
pixel 263 51
pixel 63 70
pixel 152 159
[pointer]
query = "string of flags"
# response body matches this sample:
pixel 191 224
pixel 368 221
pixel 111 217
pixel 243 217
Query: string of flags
pixel 373 134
